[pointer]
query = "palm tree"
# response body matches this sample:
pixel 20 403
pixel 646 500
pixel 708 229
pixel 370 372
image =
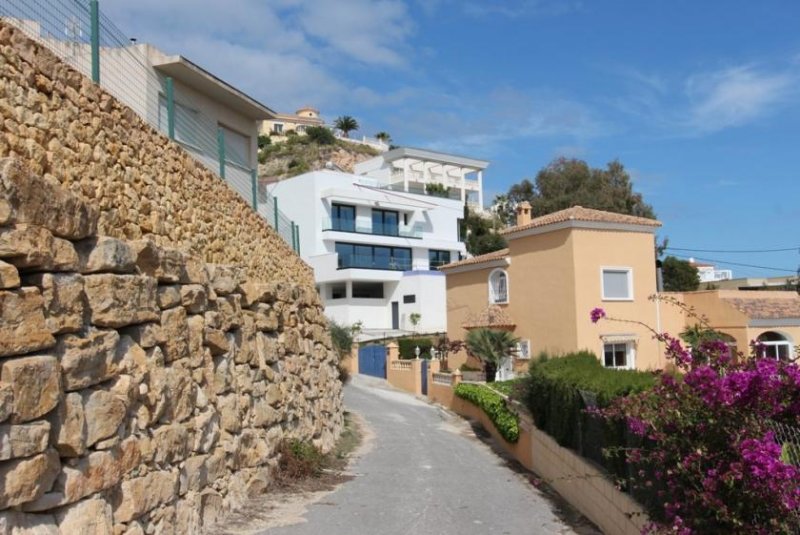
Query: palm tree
pixel 491 347
pixel 345 124
pixel 384 137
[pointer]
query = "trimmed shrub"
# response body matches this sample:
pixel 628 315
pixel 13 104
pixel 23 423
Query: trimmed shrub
pixel 408 345
pixel 320 135
pixel 505 420
pixel 558 390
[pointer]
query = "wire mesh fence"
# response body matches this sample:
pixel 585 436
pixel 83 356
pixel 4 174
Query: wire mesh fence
pixel 788 437
pixel 140 76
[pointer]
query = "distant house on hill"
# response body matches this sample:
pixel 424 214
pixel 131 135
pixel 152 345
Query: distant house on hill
pixel 282 123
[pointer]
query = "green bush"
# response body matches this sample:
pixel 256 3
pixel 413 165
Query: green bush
pixel 505 421
pixel 320 135
pixel 408 345
pixel 557 391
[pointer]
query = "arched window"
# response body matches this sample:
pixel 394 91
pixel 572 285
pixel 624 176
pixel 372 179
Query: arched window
pixel 775 345
pixel 498 287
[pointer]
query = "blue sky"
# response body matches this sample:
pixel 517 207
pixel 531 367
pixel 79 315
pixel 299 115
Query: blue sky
pixel 699 100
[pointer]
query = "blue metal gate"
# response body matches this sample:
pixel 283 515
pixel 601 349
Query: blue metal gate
pixel 372 361
pixel 424 369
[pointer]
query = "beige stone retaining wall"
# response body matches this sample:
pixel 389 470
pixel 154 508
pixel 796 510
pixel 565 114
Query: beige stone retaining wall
pixel 141 389
pixel 64 128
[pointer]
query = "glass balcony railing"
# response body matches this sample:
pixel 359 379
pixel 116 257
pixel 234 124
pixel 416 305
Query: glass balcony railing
pixel 348 225
pixel 391 263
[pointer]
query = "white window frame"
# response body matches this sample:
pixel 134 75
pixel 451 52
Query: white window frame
pixel 628 270
pixel 630 355
pixel 524 350
pixel 492 298
pixel 771 347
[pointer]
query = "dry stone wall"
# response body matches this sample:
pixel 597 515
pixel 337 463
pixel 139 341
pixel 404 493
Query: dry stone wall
pixel 65 128
pixel 141 389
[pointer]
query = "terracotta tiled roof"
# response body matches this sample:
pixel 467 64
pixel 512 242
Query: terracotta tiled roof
pixel 493 316
pixel 495 255
pixel 579 213
pixel 767 308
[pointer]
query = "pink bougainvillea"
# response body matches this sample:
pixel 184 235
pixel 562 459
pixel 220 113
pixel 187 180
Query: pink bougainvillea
pixel 708 450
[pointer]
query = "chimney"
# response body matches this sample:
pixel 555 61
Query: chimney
pixel 523 213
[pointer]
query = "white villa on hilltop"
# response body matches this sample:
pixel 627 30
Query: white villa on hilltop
pixel 376 243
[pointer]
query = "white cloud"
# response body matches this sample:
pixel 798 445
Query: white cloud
pixel 284 52
pixel 735 96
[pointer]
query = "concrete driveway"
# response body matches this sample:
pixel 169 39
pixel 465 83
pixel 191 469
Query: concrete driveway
pixel 424 472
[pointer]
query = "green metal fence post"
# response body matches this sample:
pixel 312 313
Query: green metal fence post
pixel 170 108
pixel 297 231
pixel 254 185
pixel 221 148
pixel 275 205
pixel 94 13
pixel 294 244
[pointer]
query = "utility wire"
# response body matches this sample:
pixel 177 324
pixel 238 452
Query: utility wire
pixel 737 251
pixel 740 265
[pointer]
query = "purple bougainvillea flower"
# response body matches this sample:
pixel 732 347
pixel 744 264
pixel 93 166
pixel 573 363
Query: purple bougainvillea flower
pixel 597 314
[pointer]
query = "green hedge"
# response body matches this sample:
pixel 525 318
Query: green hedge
pixel 408 345
pixel 493 404
pixel 559 389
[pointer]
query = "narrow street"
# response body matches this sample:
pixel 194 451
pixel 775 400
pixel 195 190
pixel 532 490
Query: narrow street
pixel 424 472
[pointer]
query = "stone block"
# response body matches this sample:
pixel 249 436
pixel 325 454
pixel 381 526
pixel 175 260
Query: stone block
pixel 22 324
pixel 35 384
pixel 63 257
pixel 194 298
pixel 26 247
pixel 63 298
pixel 69 426
pixel 265 317
pixel 162 264
pixel 9 276
pixel 172 394
pixel 169 296
pixel 231 413
pixel 142 494
pixel 104 255
pixel 197 353
pixel 104 412
pixel 193 271
pixel 250 449
pixel 18 523
pixel 225 279
pixel 121 300
pixel 175 328
pixel 216 341
pixel 171 444
pixel 25 480
pixel 87 517
pixel 36 201
pixel 98 471
pixel 147 335
pixel 6 401
pixel 206 425
pixel 90 359
pixel 257 292
pixel 194 474
pixel 23 440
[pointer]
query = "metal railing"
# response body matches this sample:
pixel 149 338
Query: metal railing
pixel 79 33
pixel 349 225
pixel 390 263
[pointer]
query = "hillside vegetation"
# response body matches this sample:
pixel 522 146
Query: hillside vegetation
pixel 300 154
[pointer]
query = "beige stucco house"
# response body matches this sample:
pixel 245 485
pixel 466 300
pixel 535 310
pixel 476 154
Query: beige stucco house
pixel 559 267
pixel 282 123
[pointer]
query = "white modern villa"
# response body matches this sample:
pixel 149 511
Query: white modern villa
pixel 375 246
pixel 415 170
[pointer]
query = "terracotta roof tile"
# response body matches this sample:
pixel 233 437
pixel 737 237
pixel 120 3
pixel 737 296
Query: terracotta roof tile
pixel 766 307
pixel 579 213
pixel 495 255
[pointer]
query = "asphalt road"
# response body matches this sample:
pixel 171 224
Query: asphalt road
pixel 424 473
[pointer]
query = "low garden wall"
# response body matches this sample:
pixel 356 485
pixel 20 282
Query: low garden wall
pixel 579 482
